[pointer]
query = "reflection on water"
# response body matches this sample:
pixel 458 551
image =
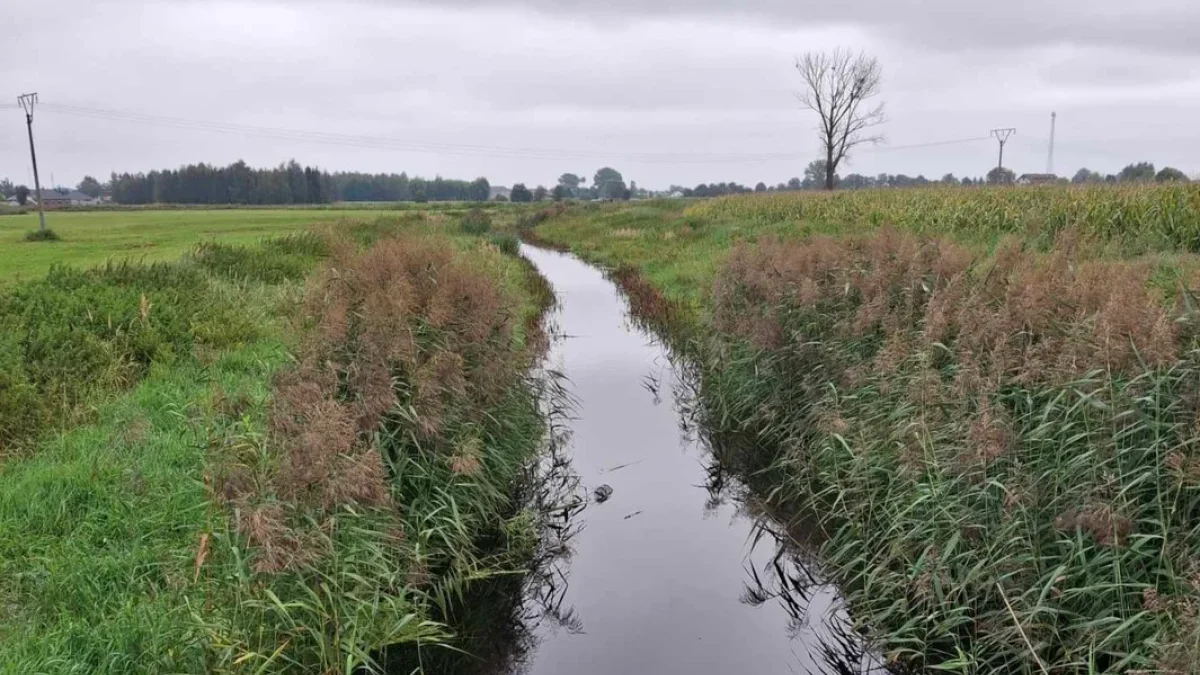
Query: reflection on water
pixel 676 570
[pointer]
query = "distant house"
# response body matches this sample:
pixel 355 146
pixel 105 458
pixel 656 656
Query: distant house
pixel 499 191
pixel 1037 179
pixel 66 197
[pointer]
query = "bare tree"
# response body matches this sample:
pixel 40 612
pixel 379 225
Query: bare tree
pixel 837 87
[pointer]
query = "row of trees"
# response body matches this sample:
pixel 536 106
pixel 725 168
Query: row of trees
pixel 287 183
pixel 815 178
pixel 1141 172
pixel 607 183
pixel 291 183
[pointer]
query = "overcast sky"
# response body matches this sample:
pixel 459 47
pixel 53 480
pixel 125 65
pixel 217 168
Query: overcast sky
pixel 666 91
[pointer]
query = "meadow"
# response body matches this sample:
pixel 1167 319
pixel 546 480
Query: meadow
pixel 91 237
pixel 984 399
pixel 229 462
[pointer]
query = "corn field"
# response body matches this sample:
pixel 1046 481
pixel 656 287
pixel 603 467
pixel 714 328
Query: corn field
pixel 1159 217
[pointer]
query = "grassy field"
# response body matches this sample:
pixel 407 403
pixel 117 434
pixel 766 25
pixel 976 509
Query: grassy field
pixel 182 489
pixel 91 237
pixel 986 397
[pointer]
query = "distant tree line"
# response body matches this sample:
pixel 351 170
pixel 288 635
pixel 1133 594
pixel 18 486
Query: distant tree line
pixel 607 183
pixel 1141 172
pixel 287 183
pixel 291 183
pixel 815 179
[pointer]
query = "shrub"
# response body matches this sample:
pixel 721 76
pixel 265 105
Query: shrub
pixel 476 222
pixel 42 235
pixel 507 243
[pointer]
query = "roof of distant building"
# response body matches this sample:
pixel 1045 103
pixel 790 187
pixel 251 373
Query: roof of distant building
pixel 65 193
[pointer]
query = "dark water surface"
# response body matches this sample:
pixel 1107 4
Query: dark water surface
pixel 672 573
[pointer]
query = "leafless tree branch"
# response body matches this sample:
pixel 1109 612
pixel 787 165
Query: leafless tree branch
pixel 837 86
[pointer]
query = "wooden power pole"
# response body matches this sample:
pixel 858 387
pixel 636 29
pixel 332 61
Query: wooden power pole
pixel 28 101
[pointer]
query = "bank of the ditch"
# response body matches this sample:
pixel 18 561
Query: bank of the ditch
pixel 216 465
pixel 999 442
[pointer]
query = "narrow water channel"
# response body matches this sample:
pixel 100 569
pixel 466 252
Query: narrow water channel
pixel 672 572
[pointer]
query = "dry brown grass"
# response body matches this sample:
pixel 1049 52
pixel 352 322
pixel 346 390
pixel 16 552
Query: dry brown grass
pixel 1017 315
pixel 409 323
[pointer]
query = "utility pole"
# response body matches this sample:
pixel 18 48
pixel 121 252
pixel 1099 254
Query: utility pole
pixel 28 101
pixel 1050 159
pixel 1002 136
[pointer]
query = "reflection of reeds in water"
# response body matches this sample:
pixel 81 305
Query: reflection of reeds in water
pixel 830 638
pixel 553 493
pixel 790 576
pixel 559 499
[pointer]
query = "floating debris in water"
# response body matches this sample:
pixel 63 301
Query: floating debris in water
pixel 602 493
pixel 622 466
pixel 635 513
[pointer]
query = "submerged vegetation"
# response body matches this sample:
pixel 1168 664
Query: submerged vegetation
pixel 995 427
pixel 212 465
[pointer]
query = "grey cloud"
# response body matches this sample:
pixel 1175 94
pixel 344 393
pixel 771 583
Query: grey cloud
pixel 626 78
pixel 1116 68
pixel 1154 25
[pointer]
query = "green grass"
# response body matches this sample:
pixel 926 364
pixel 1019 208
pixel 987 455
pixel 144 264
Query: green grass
pixel 90 238
pixel 99 528
pixel 678 253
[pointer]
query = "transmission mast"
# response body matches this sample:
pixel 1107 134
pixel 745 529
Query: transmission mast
pixel 1050 158
pixel 1002 136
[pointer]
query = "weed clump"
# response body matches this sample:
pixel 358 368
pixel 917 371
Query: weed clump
pixel 476 222
pixel 275 261
pixel 42 235
pixel 508 244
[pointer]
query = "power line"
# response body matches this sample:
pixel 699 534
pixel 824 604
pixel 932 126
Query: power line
pixel 392 143
pixel 1089 147
pixel 888 148
pixel 461 149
